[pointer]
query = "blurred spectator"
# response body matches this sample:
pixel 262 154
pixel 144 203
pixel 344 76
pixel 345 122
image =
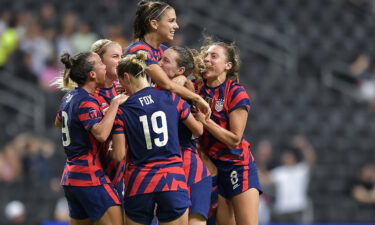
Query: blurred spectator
pixel 63 40
pixel 83 38
pixel 4 20
pixel 362 69
pixel 47 14
pixel 356 79
pixel 363 188
pixel 61 212
pixel 38 45
pixel 22 68
pixel 115 34
pixel 15 212
pixel 263 156
pixel 291 180
pixel 8 39
pixel 35 159
pixel 23 19
pixel 49 74
pixel 10 164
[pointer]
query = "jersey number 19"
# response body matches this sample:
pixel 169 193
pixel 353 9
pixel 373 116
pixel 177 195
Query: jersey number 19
pixel 163 129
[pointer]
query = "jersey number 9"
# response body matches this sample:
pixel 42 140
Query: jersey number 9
pixel 64 129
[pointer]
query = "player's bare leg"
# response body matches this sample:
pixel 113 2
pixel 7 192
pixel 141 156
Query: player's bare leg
pixel 197 219
pixel 113 216
pixel 80 222
pixel 246 207
pixel 182 220
pixel 225 213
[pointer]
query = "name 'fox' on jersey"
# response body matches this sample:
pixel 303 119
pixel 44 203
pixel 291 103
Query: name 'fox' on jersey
pixel 149 119
pixel 223 100
pixel 79 112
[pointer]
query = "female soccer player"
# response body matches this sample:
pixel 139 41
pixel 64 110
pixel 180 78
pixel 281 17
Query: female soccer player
pixel 110 53
pixel 223 140
pixel 155 23
pixel 90 194
pixel 179 61
pixel 148 125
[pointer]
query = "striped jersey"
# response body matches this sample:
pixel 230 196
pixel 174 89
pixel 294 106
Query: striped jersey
pixel 149 119
pixel 194 167
pixel 79 112
pixel 223 100
pixel 153 54
pixel 114 170
pixel 107 93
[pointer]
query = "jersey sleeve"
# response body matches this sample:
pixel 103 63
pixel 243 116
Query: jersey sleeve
pixel 142 47
pixel 119 124
pixel 238 98
pixel 58 116
pixel 89 113
pixel 182 106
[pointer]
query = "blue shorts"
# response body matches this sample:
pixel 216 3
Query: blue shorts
pixel 200 196
pixel 237 179
pixel 90 202
pixel 170 205
pixel 214 201
pixel 119 187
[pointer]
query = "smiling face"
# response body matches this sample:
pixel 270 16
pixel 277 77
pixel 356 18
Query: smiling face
pixel 167 25
pixel 168 63
pixel 99 69
pixel 111 57
pixel 216 61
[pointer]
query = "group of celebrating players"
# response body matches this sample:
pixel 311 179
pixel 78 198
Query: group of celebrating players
pixel 158 132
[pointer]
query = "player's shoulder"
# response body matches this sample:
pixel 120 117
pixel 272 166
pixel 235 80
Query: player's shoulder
pixel 165 93
pixel 235 87
pixel 163 47
pixel 83 98
pixel 73 96
pixel 234 84
pixel 138 46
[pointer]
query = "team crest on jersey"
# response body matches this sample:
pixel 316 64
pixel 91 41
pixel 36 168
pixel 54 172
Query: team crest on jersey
pixel 93 114
pixel 219 105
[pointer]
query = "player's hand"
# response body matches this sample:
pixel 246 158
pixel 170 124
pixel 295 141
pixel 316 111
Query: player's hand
pixel 300 141
pixel 119 99
pixel 201 117
pixel 180 79
pixel 203 106
pixel 120 89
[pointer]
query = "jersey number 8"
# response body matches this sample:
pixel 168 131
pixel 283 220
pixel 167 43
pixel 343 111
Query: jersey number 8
pixel 163 129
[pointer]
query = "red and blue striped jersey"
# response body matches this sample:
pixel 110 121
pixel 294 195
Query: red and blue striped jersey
pixel 223 100
pixel 107 93
pixel 79 112
pixel 114 170
pixel 153 54
pixel 195 169
pixel 149 119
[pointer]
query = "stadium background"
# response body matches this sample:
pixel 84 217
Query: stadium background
pixel 298 65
